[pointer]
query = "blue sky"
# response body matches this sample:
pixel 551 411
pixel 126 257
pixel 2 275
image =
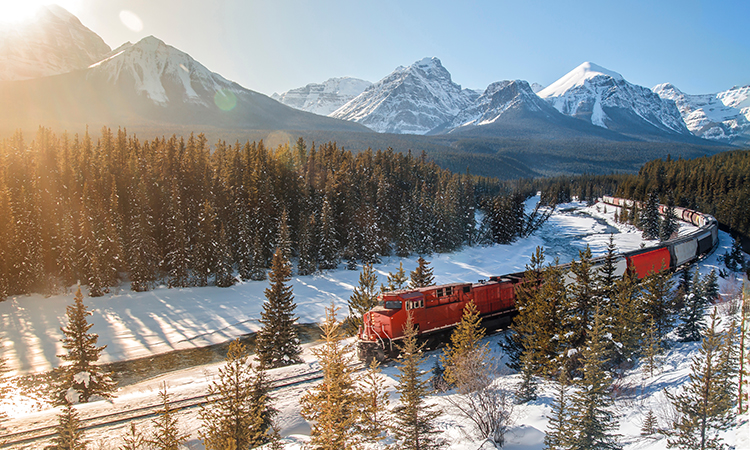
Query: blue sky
pixel 273 46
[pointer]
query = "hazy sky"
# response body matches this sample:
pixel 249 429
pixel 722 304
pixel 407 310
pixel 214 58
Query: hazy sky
pixel 275 45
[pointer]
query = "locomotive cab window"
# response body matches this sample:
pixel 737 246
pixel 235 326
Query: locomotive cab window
pixel 467 289
pixel 449 290
pixel 439 292
pixel 414 304
pixel 392 304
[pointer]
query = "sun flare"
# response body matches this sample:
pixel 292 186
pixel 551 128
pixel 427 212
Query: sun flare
pixel 14 11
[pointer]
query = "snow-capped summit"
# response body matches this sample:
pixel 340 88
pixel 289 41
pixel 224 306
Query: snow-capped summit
pixel 54 42
pixel 411 100
pixel 724 116
pixel 498 99
pixel 161 72
pixel 323 98
pixel 603 97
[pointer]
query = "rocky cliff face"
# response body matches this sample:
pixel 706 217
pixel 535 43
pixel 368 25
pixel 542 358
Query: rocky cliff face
pixel 323 98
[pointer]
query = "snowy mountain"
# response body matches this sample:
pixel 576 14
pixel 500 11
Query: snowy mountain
pixel 411 100
pixel 150 83
pixel 323 98
pixel 604 98
pixel 536 87
pixel 55 42
pixel 498 100
pixel 724 116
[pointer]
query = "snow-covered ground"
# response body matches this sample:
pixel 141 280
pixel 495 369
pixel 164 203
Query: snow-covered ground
pixel 141 324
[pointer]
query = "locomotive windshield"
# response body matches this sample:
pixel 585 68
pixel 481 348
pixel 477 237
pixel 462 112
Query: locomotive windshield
pixel 392 304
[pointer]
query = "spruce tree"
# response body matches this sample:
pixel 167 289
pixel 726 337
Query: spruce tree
pixel 583 298
pixel 328 257
pixel 133 440
pixel 277 343
pixel 591 406
pixel 363 298
pixel 68 432
pixel 705 406
pixel 223 262
pixel 658 301
pixel 465 355
pixel 649 219
pixel 307 261
pixel 396 280
pixel 651 349
pixel 559 434
pixel 626 317
pixel 693 311
pixel 669 224
pixel 237 413
pixel 82 378
pixel 166 433
pixel 650 425
pixel 413 424
pixel 421 276
pixel 374 416
pixel 333 405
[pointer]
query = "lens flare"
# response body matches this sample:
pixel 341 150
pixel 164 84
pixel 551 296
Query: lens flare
pixel 225 99
pixel 131 20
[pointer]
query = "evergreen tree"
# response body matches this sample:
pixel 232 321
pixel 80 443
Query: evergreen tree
pixel 527 388
pixel 329 244
pixel 413 425
pixel 133 440
pixel 277 343
pixel 651 350
pixel 375 401
pixel 559 434
pixel 464 356
pixel 237 413
pixel 363 298
pixel 421 276
pixel 81 378
pixel 206 245
pixel 68 432
pixel 706 405
pixel 223 268
pixel 258 265
pixel 591 415
pixel 693 311
pixel 625 313
pixel 650 219
pixel 711 286
pixel 307 262
pixel 166 429
pixel 283 236
pixel 669 224
pixel 658 302
pixel 333 405
pixel 650 425
pixel 396 280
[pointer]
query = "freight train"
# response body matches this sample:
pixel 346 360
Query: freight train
pixel 437 310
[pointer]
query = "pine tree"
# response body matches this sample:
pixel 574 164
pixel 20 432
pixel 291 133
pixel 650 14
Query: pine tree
pixel 134 439
pixel 237 412
pixel 626 317
pixel 669 224
pixel 166 429
pixel 649 218
pixel 223 263
pixel 329 243
pixel 582 297
pixel 465 355
pixel 413 425
pixel 693 311
pixel 422 275
pixel 375 401
pixel 283 237
pixel 363 298
pixel 526 390
pixel 591 415
pixel 658 302
pixel 706 405
pixel 396 280
pixel 559 434
pixel 82 378
pixel 307 262
pixel 277 343
pixel 333 405
pixel 651 349
pixel 68 432
pixel 650 425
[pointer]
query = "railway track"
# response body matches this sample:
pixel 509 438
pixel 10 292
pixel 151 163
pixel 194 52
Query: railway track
pixel 142 412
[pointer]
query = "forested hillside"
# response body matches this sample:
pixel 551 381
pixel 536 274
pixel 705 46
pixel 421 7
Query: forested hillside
pixel 186 213
pixel 718 185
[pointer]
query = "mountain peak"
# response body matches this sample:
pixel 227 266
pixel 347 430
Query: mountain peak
pixel 578 77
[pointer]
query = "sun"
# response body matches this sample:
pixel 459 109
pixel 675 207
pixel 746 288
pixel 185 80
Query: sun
pixel 15 11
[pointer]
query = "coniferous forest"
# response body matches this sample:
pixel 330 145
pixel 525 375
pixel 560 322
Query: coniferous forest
pixel 182 212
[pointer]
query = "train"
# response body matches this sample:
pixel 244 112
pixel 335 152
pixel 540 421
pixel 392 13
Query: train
pixel 437 310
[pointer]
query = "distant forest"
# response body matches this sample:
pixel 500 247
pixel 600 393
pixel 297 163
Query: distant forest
pixel 718 185
pixel 186 213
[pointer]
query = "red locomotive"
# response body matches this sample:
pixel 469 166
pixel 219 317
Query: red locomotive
pixel 436 310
